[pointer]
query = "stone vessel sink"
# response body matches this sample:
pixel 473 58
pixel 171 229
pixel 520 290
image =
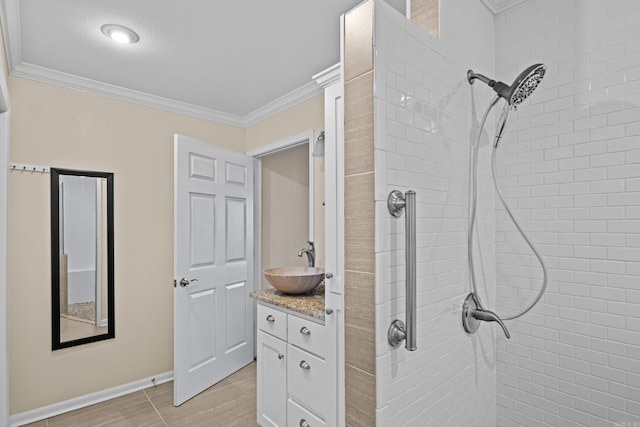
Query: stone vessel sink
pixel 294 280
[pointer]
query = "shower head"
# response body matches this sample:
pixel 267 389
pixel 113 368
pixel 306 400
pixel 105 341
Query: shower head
pixel 520 89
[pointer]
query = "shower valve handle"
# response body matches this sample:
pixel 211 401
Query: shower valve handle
pixel 473 313
pixel 490 316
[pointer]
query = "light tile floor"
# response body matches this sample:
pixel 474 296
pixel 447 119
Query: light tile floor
pixel 231 402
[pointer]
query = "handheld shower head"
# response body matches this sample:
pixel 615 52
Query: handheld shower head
pixel 526 83
pixel 523 86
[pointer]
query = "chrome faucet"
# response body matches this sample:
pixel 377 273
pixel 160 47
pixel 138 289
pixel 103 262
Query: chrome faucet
pixel 311 253
pixel 473 312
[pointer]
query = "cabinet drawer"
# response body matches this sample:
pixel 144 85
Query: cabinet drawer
pixel 297 416
pixel 309 380
pixel 272 321
pixel 308 335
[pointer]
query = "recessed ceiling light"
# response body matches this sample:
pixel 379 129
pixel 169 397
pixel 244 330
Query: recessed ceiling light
pixel 119 33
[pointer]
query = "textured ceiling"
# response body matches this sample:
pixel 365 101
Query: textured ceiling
pixel 226 56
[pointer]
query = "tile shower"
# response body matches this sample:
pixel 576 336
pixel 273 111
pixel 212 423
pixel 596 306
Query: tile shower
pixel 569 165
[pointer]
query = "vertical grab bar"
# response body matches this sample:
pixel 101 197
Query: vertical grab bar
pixel 398 331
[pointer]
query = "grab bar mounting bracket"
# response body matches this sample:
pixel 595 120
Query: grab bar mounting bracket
pixel 397 333
pixel 396 203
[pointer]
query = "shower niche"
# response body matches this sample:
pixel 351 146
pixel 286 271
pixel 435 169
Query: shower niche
pixel 81 257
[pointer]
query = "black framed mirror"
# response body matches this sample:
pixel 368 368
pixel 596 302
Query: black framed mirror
pixel 82 284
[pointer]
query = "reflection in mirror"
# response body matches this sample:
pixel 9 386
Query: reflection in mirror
pixel 81 257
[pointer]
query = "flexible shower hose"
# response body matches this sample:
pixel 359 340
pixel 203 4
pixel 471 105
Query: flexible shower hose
pixel 472 216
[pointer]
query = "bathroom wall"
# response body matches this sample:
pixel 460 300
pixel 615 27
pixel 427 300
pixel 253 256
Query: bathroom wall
pixel 308 115
pixel 285 208
pixel 56 126
pixel 570 167
pixel 426 118
pixel 301 118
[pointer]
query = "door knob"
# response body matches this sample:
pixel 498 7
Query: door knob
pixel 328 275
pixel 184 282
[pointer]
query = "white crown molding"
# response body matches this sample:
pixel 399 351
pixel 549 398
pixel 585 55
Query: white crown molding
pixel 71 81
pixel 329 76
pixel 499 6
pixel 11 29
pixel 292 98
pixel 10 16
pixel 87 400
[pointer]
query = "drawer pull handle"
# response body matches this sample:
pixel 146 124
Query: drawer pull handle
pixel 280 356
pixel 305 331
pixel 270 318
pixel 305 365
pixel 304 423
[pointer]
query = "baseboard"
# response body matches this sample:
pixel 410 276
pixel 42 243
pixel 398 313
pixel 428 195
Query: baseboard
pixel 86 400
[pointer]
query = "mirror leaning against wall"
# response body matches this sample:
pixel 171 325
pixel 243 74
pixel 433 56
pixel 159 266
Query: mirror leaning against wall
pixel 82 285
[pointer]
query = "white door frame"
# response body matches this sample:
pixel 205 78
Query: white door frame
pixel 258 154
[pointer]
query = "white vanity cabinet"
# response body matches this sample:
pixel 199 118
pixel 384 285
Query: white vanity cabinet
pixel 296 370
pixel 272 381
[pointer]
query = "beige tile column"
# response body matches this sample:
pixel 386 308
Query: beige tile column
pixel 426 15
pixel 359 218
pixel 359 204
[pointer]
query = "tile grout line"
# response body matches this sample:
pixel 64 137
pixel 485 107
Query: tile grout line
pixel 154 408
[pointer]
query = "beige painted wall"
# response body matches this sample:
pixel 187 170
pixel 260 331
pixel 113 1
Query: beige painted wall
pixel 285 208
pixel 300 118
pixel 308 115
pixel 60 127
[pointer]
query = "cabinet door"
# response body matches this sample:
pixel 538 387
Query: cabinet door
pixel 272 381
pixel 309 381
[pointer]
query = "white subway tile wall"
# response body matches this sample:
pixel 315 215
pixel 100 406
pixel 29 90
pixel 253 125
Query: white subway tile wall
pixel 570 167
pixel 425 112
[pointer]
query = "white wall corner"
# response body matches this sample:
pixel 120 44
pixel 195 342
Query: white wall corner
pixel 5 134
pixel 10 15
pixel 4 209
pixel 499 6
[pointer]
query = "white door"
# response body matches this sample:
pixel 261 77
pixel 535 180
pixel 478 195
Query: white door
pixel 213 314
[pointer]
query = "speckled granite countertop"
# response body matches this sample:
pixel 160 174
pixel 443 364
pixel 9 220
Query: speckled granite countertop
pixel 311 304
